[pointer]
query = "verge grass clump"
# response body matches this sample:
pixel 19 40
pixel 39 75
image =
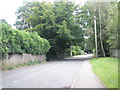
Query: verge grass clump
pixel 107 70
pixel 29 63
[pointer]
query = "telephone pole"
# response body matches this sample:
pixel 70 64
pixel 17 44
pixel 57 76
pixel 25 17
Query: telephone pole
pixel 96 51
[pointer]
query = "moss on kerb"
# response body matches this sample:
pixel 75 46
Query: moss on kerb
pixel 29 63
pixel 20 60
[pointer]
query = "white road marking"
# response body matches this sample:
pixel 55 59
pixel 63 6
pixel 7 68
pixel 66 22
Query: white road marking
pixel 75 77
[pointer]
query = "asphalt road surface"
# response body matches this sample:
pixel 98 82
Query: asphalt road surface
pixel 73 72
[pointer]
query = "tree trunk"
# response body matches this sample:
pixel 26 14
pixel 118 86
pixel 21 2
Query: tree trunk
pixel 101 42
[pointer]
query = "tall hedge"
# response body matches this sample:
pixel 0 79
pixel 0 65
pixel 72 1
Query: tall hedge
pixel 19 42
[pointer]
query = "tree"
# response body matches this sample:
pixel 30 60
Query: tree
pixel 84 17
pixel 112 27
pixel 55 22
pixel 107 26
pixel 23 14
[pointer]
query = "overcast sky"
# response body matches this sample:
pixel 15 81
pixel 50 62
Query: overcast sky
pixel 9 7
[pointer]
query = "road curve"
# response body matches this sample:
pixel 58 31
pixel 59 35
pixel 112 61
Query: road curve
pixel 53 74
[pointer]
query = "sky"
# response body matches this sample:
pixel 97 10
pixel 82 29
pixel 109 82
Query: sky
pixel 9 7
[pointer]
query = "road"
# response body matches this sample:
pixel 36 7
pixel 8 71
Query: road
pixel 54 74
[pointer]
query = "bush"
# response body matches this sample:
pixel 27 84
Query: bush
pixel 94 52
pixel 38 45
pixel 82 52
pixel 76 50
pixel 19 42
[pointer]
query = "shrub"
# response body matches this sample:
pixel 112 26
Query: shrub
pixel 18 42
pixel 76 50
pixel 94 50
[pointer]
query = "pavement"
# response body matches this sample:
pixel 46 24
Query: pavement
pixel 75 72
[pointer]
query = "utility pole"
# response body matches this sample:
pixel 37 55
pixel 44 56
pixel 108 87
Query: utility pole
pixel 95 37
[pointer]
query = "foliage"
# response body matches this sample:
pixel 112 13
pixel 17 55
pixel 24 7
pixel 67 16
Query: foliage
pixel 18 42
pixel 107 26
pixel 76 50
pixel 107 71
pixel 64 24
pixel 94 53
pixel 4 46
pixel 55 22
pixel 85 18
pixel 112 27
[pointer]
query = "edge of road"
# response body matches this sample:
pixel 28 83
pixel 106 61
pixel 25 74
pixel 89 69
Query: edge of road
pixel 75 77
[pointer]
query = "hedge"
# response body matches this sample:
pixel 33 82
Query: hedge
pixel 19 42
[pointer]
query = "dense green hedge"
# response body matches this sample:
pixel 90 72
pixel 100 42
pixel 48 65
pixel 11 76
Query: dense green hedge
pixel 18 42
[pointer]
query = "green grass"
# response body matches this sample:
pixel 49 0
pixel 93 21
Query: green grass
pixel 107 70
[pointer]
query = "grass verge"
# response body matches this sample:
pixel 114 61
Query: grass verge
pixel 107 70
pixel 29 63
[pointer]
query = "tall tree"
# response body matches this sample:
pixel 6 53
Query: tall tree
pixel 23 14
pixel 112 26
pixel 107 30
pixel 55 22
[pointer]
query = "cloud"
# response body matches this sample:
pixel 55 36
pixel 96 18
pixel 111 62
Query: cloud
pixel 9 7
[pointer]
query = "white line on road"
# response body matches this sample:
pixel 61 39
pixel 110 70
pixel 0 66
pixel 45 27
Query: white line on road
pixel 75 77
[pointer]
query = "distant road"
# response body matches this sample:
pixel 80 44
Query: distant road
pixel 53 74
